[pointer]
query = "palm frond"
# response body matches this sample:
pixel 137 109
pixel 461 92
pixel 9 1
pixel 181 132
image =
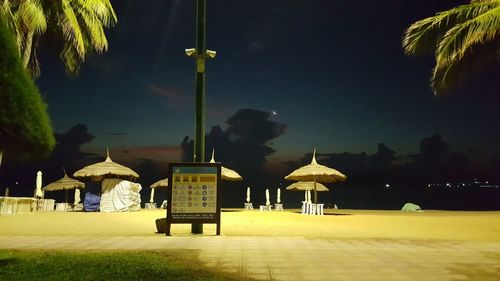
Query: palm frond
pixel 102 9
pixel 32 16
pixel 71 59
pixel 70 27
pixel 95 31
pixel 459 39
pixel 424 35
pixel 453 34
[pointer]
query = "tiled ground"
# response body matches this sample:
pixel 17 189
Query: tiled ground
pixel 296 258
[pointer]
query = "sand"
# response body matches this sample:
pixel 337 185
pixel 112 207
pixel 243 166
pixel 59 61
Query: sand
pixel 345 224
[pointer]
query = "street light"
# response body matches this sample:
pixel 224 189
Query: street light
pixel 200 53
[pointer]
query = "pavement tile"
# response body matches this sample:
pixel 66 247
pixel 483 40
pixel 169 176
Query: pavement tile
pixel 295 258
pixel 257 270
pixel 260 277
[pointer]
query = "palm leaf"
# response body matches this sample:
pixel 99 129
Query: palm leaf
pixel 71 29
pixel 453 34
pixel 460 38
pixel 429 30
pixel 32 16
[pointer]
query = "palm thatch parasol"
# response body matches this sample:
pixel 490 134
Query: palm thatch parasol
pixel 64 183
pixel 227 174
pixel 316 173
pixel 98 171
pixel 160 183
pixel 307 185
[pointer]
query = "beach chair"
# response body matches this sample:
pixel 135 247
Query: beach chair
pixel 319 209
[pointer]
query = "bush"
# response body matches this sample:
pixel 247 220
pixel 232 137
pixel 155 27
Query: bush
pixel 25 128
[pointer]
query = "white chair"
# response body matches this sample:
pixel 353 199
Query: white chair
pixel 312 209
pixel 150 206
pixel 61 207
pixel 304 207
pixel 319 209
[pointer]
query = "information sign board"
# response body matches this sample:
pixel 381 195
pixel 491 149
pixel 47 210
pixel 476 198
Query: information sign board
pixel 193 194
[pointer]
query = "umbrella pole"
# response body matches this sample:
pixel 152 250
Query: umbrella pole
pixel 315 192
pixel 66 200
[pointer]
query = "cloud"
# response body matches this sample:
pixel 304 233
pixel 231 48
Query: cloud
pixel 162 153
pixel 243 146
pixel 172 96
pixel 250 126
pixel 117 133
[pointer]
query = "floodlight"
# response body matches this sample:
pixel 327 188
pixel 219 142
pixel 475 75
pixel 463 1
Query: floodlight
pixel 211 54
pixel 190 52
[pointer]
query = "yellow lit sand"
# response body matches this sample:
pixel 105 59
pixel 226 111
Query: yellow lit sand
pixel 346 224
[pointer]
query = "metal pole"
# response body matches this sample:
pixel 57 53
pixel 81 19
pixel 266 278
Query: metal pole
pixel 199 139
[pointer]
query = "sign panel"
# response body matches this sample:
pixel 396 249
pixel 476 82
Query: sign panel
pixel 193 196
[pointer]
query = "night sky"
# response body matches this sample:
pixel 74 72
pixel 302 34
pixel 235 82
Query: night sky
pixel 334 72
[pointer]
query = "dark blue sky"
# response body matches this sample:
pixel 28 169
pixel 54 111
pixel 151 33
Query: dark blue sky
pixel 334 71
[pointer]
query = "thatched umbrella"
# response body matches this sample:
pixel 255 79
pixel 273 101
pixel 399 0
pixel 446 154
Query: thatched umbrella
pixel 307 185
pixel 316 173
pixel 65 183
pixel 98 171
pixel 160 183
pixel 227 174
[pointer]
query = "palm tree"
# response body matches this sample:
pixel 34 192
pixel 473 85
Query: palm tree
pixel 78 23
pixel 453 35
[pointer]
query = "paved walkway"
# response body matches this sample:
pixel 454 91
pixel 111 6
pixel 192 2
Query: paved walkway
pixel 296 258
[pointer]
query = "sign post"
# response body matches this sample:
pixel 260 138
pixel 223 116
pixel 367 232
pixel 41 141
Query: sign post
pixel 194 194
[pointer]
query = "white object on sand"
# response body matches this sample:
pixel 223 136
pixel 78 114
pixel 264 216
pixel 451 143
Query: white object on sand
pixel 152 196
pixel 278 199
pixel 77 196
pixel 268 202
pixel 38 189
pixel 248 194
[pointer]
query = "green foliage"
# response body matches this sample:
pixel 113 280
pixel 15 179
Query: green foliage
pixel 98 266
pixel 454 34
pixel 25 128
pixel 78 24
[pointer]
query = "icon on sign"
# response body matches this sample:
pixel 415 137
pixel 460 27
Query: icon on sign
pixel 190 187
pixel 204 204
pixel 190 204
pixel 204 198
pixel 204 192
pixel 204 187
pixel 190 192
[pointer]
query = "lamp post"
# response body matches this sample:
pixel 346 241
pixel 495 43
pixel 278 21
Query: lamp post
pixel 200 54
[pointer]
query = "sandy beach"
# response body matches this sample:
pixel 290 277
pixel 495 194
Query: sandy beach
pixel 344 245
pixel 339 224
